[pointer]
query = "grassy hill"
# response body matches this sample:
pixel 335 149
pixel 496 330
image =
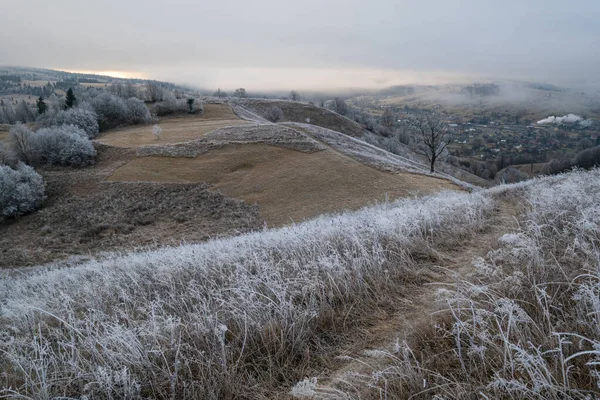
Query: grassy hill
pixel 343 299
pixel 294 111
pixel 227 175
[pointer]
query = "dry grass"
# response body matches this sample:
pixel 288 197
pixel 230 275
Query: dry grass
pixel 287 185
pixel 3 135
pixel 177 129
pixel 84 216
pixel 294 111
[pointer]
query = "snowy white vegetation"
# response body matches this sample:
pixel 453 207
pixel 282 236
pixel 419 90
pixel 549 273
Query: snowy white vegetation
pixel 156 131
pixel 112 110
pixel 527 325
pixel 21 190
pixel 55 145
pixel 83 118
pixel 171 105
pixel 138 112
pixel 216 320
pixel 274 114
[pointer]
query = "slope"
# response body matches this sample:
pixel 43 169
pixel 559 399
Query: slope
pixel 294 111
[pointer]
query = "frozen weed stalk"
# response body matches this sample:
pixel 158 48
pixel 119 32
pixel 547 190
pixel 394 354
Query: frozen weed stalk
pixel 526 325
pixel 216 319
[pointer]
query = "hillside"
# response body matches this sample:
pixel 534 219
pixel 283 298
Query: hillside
pixel 294 111
pixel 297 112
pixel 226 176
pixel 342 299
pixel 85 215
pixel 291 174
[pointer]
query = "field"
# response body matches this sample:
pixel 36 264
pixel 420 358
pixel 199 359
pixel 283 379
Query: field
pixel 175 129
pixel 85 215
pixel 226 175
pixel 287 185
pixel 459 295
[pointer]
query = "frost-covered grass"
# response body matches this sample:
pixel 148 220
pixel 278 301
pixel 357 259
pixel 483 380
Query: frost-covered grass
pixel 372 155
pixel 528 325
pixel 227 318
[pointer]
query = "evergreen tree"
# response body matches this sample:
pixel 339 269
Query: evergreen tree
pixel 41 105
pixel 190 103
pixel 70 101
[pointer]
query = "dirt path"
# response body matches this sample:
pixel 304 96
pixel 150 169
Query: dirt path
pixel 360 359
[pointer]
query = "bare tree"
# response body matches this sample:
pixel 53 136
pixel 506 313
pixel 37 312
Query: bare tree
pixel 21 141
pixel 220 94
pixel 431 135
pixel 294 95
pixel 339 106
pixel 274 113
pixel 130 91
pixel 156 131
pixel 155 92
pixel 388 119
pixel 240 92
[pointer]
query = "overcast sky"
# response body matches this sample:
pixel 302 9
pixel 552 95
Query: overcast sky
pixel 269 44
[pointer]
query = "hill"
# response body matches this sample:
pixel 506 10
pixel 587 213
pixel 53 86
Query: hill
pixel 227 175
pixel 294 111
pixel 342 299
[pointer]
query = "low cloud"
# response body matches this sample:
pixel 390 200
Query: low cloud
pixel 567 119
pixel 570 118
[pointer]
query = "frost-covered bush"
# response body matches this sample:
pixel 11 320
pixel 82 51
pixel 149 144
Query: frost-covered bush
pixel 22 144
pixel 274 114
pixel 23 112
pixel 62 145
pixel 138 112
pixel 156 131
pixel 55 145
pixel 79 117
pixel 171 105
pixel 112 110
pixel 21 190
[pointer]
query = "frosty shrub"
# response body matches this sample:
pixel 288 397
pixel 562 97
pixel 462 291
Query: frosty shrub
pixel 62 145
pixel 138 112
pixel 112 111
pixel 156 131
pixel 22 143
pixel 274 114
pixel 21 190
pixel 79 117
pixel 171 105
pixel 23 112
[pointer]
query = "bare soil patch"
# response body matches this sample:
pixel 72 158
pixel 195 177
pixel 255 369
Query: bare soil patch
pixel 287 185
pixel 177 129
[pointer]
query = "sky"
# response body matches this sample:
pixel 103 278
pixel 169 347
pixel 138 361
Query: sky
pixel 309 44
